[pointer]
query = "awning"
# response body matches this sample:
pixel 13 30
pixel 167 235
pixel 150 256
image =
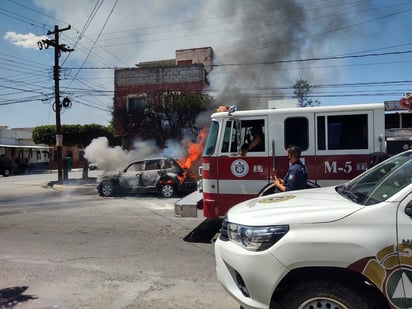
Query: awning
pixel 26 146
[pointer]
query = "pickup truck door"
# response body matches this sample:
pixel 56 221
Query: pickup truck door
pixel 399 281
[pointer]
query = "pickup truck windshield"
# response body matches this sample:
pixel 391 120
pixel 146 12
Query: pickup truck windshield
pixel 380 182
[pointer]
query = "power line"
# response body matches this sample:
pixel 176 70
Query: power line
pixel 101 31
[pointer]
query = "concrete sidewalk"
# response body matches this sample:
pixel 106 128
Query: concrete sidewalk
pixel 75 180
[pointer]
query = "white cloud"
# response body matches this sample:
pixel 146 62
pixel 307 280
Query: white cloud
pixel 28 40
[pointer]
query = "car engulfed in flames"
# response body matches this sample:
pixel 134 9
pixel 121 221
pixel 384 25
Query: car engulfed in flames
pixel 159 175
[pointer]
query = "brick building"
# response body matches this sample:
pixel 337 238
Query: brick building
pixel 148 82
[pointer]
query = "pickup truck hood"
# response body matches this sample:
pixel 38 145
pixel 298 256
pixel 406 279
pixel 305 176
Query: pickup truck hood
pixel 304 206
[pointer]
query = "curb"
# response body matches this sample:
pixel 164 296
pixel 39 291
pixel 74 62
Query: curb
pixel 74 184
pixel 72 187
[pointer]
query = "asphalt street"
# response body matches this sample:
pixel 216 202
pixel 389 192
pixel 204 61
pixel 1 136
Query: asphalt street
pixel 66 247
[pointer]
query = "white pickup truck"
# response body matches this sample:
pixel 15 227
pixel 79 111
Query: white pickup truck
pixel 348 246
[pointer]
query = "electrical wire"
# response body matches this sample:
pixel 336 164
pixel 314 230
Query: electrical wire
pixel 89 86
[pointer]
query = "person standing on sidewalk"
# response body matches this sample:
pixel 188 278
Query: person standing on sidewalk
pixel 297 175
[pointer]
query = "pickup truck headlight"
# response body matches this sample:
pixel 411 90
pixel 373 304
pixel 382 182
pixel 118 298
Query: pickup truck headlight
pixel 256 238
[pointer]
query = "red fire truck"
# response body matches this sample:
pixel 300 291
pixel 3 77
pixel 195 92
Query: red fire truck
pixel 336 143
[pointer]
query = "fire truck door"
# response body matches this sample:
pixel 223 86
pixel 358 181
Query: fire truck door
pixel 243 166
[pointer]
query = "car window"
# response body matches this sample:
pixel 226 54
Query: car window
pixel 168 163
pixel 135 167
pixel 152 165
pixel 397 180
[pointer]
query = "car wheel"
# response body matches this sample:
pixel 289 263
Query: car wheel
pixel 106 188
pixel 6 173
pixel 328 294
pixel 168 190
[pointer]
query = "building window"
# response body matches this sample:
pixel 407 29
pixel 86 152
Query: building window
pixel 136 103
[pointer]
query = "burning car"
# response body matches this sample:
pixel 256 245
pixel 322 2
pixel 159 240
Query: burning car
pixel 164 175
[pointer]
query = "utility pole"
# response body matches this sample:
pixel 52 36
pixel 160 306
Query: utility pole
pixel 57 105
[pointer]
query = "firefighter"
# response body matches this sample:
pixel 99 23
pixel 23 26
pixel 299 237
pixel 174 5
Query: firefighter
pixel 297 175
pixel 257 143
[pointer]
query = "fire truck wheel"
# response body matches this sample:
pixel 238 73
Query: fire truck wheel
pixel 328 294
pixel 106 188
pixel 168 190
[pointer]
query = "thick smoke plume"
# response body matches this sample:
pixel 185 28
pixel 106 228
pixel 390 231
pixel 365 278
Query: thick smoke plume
pixel 256 68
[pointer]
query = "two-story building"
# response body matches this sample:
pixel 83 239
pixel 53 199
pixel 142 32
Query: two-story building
pixel 136 87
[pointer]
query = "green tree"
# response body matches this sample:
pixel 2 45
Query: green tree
pixel 301 91
pixel 44 135
pixel 73 135
pixel 128 123
pixel 167 116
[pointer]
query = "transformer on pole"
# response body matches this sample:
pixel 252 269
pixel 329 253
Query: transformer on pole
pixel 57 105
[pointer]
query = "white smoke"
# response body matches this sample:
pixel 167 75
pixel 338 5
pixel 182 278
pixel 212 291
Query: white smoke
pixel 114 159
pixel 107 158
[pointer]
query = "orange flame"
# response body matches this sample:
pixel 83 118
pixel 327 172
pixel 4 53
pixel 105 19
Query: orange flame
pixel 194 150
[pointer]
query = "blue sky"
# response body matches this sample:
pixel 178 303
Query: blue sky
pixel 349 51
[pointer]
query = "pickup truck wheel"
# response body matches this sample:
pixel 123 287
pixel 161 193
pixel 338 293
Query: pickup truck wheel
pixel 326 294
pixel 106 188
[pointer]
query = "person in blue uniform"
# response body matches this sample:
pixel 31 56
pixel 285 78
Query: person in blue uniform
pixel 297 175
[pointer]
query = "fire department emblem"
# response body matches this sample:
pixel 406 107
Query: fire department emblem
pixel 277 199
pixel 239 168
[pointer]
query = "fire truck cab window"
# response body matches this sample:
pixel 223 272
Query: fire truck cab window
pixel 229 143
pixel 211 139
pixel 252 135
pixel 250 130
pixel 337 132
pixel 297 132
